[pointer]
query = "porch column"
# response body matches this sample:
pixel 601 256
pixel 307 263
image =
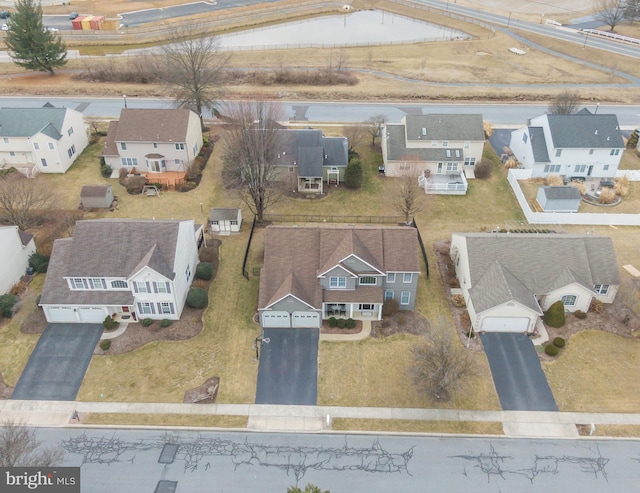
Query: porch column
pixel 380 311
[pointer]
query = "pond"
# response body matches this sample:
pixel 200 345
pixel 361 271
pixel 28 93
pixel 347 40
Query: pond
pixel 369 27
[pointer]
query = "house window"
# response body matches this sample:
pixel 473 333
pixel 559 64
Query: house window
pixel 215 223
pixel 445 143
pixel 614 152
pixel 12 154
pixel 97 283
pixel 388 294
pixel 129 161
pixel 448 152
pixel 6 140
pixel 70 131
pixel 141 287
pixel 70 152
pixel 290 169
pixel 457 151
pixel 525 137
pixel 469 161
pixel 581 168
pixel 36 146
pixel 558 152
pixel 336 282
pixel 590 151
pixel 188 273
pixel 155 145
pixel 176 161
pixel 77 283
pixel 407 277
pixel 605 167
pixel 195 148
pixel 368 280
pixel 569 300
pixel 405 297
pixel 601 288
pixel 119 285
pixel 43 161
pixel 434 143
pixel 162 287
pixel 123 146
pixel 365 306
pixel 467 145
pixel 51 146
pixel 145 307
pixel 391 277
pixel 165 307
pixel 179 147
pixel 452 166
pixel 234 222
pixel 552 168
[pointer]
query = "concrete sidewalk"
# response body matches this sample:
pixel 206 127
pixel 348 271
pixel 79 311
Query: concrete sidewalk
pixel 314 418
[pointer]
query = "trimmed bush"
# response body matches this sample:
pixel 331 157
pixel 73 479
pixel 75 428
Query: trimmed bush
pixel 38 262
pixel 341 323
pixel 6 305
pixel 146 322
pixel 483 169
pixel 551 350
pixel 390 307
pixel 579 314
pixel 197 298
pixel 353 177
pixel 105 344
pixel 458 301
pixel 559 342
pixel 165 322
pixel 554 316
pixel 332 321
pixel 350 323
pixel 596 306
pixel 109 323
pixel 204 270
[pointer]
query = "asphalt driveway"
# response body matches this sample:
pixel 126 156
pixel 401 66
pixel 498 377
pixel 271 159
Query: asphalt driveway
pixel 58 363
pixel 288 369
pixel 520 382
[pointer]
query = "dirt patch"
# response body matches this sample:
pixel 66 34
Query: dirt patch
pixel 5 389
pixel 205 394
pixel 400 323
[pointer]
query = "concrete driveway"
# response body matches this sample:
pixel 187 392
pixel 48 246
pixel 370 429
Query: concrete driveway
pixel 288 369
pixel 58 363
pixel 520 382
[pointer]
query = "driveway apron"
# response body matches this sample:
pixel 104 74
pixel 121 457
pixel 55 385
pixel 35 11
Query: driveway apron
pixel 520 382
pixel 288 369
pixel 58 363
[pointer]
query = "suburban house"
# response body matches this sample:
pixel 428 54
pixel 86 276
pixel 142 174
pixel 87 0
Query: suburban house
pixel 96 196
pixel 559 198
pixel 440 149
pixel 312 273
pixel 509 280
pixel 41 140
pixel 129 269
pixel 306 159
pixel 225 221
pixel 16 247
pixel 576 146
pixel 159 144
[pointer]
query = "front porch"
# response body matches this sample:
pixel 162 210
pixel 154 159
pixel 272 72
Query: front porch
pixel 356 311
pixel 445 184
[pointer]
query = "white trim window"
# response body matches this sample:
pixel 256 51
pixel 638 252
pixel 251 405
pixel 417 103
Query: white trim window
pixel 180 147
pixel 407 277
pixel 97 283
pixel 36 146
pixel 146 308
pixel 367 281
pixel 388 294
pixel 469 161
pixel 141 287
pixel 391 277
pixel 337 282
pixel 187 273
pixel 580 168
pixel 601 288
pixel 119 284
pixel 405 297
pixel 162 287
pixel 78 283
pixel 552 168
pixel 366 306
pixel 165 308
pixel 569 300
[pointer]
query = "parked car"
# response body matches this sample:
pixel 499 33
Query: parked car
pixel 5 15
pixel 73 15
pixel 5 27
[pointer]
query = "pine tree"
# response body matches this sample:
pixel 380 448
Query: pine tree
pixel 31 45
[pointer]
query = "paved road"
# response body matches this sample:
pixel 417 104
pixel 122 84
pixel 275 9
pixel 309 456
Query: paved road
pixel 288 369
pixel 517 374
pixel 127 460
pixel 58 363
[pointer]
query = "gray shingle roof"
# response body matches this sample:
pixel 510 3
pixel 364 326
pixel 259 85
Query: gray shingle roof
pixel 538 145
pixel 310 150
pixel 109 248
pixel 397 149
pixel 336 151
pixel 152 125
pixel 95 191
pixel 585 131
pixel 445 127
pixel 561 193
pixel 222 214
pixel 540 262
pixel 26 122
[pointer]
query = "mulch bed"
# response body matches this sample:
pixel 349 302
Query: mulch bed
pixel 400 323
pixel 325 329
pixel 5 389
pixel 205 394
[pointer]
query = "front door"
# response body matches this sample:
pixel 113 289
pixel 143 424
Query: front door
pixel 155 166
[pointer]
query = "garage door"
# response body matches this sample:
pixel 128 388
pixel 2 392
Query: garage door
pixel 505 324
pixel 61 314
pixel 306 319
pixel 276 319
pixel 92 315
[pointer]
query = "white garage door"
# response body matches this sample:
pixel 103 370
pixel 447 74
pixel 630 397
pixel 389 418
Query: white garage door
pixel 505 324
pixel 61 314
pixel 92 315
pixel 306 319
pixel 276 319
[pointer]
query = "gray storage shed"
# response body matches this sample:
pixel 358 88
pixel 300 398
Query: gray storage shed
pixel 96 196
pixel 225 221
pixel 559 199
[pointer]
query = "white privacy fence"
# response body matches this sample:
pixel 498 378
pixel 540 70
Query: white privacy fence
pixel 604 219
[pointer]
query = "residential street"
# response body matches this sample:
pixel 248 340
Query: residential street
pixel 204 461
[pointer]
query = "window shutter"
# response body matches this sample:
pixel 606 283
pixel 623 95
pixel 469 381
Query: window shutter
pixel 153 310
pixel 140 308
pixel 171 308
pixel 148 287
pixel 169 289
pixel 159 307
pixel 155 287
pixel 135 287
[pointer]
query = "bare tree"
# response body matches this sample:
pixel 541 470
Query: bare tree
pixel 564 103
pixel 439 363
pixel 408 196
pixel 195 65
pixel 23 199
pixel 252 142
pixel 355 136
pixel 610 12
pixel 632 10
pixel 20 447
pixel 374 126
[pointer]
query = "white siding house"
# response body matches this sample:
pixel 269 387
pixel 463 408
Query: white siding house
pixel 15 249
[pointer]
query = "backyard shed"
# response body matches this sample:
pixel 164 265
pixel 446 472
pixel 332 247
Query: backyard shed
pixel 225 221
pixel 96 196
pixel 559 199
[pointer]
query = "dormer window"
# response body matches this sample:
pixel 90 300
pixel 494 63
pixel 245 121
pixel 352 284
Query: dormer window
pixel 367 281
pixel 337 282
